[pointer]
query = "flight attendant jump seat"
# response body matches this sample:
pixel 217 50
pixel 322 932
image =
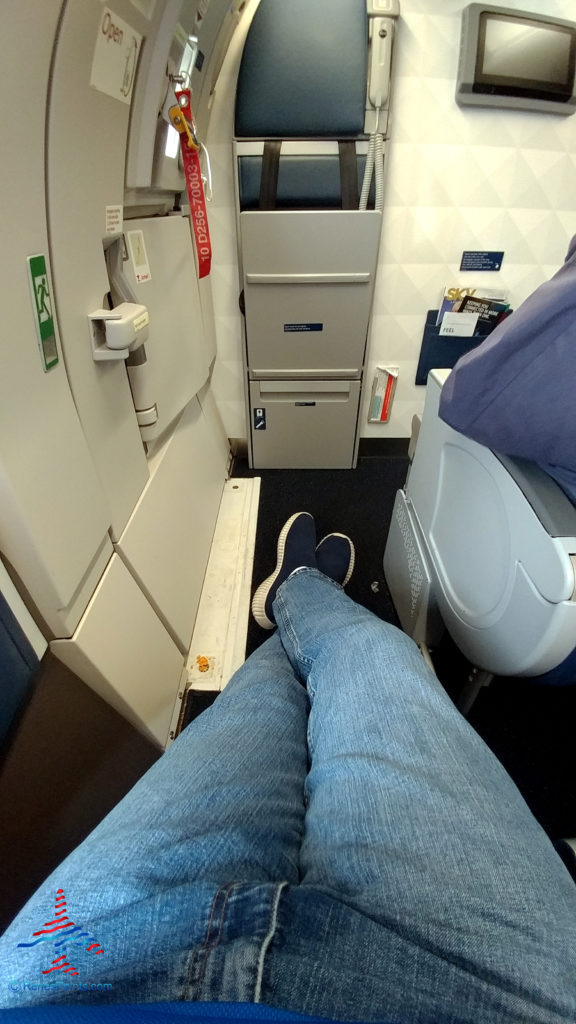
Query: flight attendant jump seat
pixel 308 251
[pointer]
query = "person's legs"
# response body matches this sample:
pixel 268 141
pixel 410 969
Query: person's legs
pixel 224 805
pixel 423 889
pixel 413 824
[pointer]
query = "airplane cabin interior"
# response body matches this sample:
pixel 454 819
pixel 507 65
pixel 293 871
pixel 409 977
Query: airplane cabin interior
pixel 245 244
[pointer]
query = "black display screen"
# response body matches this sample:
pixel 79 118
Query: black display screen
pixel 522 57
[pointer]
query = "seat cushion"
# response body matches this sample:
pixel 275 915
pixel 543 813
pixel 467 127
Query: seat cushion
pixel 304 182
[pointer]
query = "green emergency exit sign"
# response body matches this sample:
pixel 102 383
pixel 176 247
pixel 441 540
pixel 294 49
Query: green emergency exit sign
pixel 43 310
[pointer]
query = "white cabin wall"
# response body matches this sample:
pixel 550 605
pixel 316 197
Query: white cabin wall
pixel 460 179
pixel 456 179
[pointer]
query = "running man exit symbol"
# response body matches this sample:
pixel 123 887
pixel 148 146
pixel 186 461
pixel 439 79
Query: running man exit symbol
pixel 42 298
pixel 43 315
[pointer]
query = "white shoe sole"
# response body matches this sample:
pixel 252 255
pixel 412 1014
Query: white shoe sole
pixel 261 594
pixel 352 556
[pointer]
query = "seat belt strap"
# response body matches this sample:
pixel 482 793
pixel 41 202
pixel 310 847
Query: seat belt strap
pixel 348 175
pixel 269 174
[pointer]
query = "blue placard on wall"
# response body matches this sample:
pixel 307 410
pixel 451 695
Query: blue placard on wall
pixel 475 260
pixel 290 328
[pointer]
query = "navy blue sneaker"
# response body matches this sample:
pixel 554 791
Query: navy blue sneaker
pixel 335 557
pixel 296 548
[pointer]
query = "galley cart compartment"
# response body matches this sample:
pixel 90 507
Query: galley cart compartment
pixel 304 424
pixel 308 286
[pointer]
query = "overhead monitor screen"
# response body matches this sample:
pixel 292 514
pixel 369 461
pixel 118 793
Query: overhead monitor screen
pixel 520 60
pixel 517 53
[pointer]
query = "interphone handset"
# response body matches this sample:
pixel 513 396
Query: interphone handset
pixel 381 15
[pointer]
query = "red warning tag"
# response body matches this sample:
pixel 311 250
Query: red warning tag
pixel 387 399
pixel 195 188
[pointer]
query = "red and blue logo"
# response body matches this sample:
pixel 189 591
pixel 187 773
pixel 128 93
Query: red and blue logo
pixel 64 934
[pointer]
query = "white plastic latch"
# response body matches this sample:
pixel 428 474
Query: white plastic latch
pixel 115 333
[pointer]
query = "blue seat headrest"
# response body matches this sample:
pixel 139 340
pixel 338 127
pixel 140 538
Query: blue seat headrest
pixel 303 70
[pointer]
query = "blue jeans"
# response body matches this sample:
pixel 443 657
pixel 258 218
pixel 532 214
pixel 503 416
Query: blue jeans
pixel 347 848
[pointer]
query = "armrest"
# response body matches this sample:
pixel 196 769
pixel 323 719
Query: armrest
pixel 552 506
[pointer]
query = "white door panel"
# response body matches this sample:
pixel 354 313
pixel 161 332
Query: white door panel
pixel 53 515
pixel 123 652
pixel 177 363
pixel 86 152
pixel 167 541
pixel 72 464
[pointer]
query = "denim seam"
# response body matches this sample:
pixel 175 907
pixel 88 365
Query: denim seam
pixel 286 615
pixel 209 945
pixel 294 641
pixel 272 922
pixel 303 659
